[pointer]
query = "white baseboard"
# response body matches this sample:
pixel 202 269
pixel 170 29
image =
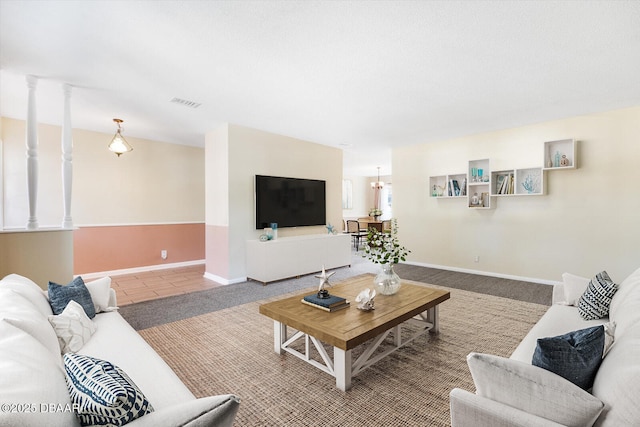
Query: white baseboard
pixel 222 280
pixel 484 273
pixel 140 269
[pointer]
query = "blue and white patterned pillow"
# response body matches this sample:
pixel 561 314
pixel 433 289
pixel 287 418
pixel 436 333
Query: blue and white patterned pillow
pixel 594 302
pixel 102 393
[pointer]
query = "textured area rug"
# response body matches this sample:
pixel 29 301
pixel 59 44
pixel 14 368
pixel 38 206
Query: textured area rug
pixel 231 351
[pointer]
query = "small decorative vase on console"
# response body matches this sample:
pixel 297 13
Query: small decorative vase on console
pixel 387 282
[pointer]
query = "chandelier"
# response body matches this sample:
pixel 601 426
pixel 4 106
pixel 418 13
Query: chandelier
pixel 118 144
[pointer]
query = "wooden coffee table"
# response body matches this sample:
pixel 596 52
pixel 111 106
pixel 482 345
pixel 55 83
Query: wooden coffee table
pixel 346 329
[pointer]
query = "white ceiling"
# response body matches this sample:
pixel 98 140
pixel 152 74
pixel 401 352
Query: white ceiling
pixel 370 75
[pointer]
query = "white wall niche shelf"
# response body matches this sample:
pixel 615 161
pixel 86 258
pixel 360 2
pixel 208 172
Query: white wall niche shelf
pixel 518 182
pixel 529 182
pixel 444 186
pixel 560 154
pixel 479 184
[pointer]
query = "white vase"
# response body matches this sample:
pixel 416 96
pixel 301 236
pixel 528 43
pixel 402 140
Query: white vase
pixel 387 282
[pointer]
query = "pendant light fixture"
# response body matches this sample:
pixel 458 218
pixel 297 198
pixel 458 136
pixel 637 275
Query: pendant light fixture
pixel 378 185
pixel 118 144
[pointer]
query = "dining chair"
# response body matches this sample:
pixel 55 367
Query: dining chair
pixel 353 228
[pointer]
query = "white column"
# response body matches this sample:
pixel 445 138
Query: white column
pixel 32 153
pixel 67 151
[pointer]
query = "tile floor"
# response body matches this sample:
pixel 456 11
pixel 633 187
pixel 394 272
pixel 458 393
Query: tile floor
pixel 149 285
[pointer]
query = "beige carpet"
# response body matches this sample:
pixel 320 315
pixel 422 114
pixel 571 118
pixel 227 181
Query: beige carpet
pixel 231 351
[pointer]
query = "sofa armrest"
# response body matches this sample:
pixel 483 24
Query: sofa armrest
pixel 218 411
pixel 470 410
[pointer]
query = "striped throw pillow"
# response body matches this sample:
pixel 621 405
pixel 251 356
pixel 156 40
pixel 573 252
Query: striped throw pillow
pixel 594 302
pixel 102 393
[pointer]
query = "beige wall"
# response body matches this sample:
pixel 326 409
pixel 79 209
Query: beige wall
pixel 252 152
pixel 155 183
pixel 42 256
pixel 587 221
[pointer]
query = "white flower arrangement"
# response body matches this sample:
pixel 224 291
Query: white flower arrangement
pixel 375 212
pixel 383 247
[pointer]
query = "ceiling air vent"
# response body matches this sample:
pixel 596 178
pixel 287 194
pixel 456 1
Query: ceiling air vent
pixel 185 103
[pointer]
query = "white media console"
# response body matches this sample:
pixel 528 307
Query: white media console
pixel 294 256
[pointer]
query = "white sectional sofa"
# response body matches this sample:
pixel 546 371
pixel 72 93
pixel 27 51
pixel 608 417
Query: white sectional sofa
pixel 513 392
pixel 33 385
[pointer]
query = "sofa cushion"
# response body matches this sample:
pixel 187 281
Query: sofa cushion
pixel 558 320
pixel 28 289
pixel 59 296
pixel 140 361
pixel 32 380
pixel 73 327
pixel 218 411
pixel 574 287
pixel 533 390
pixel 103 393
pixel 618 382
pixel 594 303
pixel 575 356
pixel 21 313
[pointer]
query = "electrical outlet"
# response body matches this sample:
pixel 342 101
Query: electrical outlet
pixel 476 259
pixel 163 254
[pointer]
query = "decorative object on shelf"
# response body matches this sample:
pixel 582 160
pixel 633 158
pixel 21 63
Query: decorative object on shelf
pixel 324 282
pixel 384 248
pixel 331 229
pixel 530 184
pixel 556 160
pixel 475 201
pixel 564 161
pixel 485 199
pixel 118 144
pixel 365 300
pixel 480 172
pixel 268 231
pixel 264 238
pixel 474 174
pixel 274 228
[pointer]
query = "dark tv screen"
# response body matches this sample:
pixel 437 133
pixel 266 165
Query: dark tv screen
pixel 290 202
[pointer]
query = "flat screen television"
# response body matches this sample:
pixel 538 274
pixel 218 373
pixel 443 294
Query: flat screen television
pixel 290 202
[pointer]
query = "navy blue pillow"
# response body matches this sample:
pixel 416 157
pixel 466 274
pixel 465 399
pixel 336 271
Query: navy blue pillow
pixel 59 296
pixel 575 356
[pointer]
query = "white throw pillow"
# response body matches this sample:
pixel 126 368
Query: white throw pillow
pixel 99 290
pixel 533 390
pixel 73 327
pixel 574 287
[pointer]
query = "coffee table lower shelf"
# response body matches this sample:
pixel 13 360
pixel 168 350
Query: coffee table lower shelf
pixel 342 366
